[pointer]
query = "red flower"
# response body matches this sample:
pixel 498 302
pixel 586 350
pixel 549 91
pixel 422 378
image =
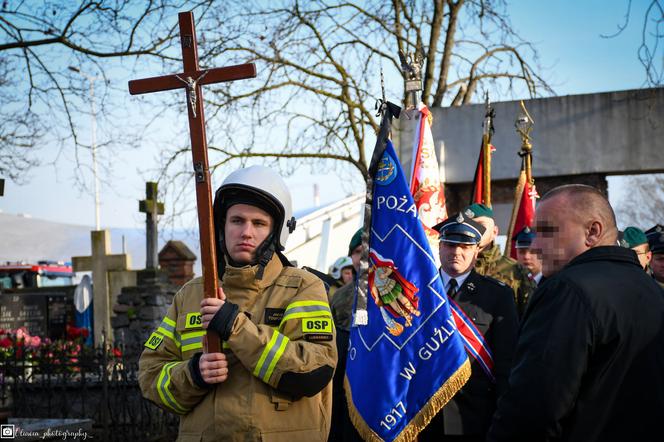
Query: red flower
pixel 85 332
pixel 5 342
pixel 117 352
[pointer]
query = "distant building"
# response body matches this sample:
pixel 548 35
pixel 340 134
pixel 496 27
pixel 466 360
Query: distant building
pixel 177 261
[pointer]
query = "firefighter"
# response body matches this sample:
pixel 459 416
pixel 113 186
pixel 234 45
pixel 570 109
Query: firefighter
pixel 272 380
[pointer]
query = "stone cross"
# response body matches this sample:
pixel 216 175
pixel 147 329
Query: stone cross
pixel 152 209
pixel 101 263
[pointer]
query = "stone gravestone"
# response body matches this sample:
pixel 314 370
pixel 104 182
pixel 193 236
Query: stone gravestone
pixel 43 314
pixel 108 273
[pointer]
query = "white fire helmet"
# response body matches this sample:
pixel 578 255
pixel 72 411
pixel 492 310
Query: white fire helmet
pixel 262 187
pixel 339 265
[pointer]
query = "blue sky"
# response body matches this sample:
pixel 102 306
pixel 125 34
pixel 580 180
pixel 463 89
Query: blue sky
pixel 575 58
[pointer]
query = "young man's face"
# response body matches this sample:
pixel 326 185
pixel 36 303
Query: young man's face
pixel 347 275
pixel 644 254
pixel 528 258
pixel 457 259
pixel 560 236
pixel 657 266
pixel 246 228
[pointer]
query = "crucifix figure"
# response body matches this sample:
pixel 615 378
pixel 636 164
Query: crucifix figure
pixel 152 208
pixel 190 84
pixel 192 79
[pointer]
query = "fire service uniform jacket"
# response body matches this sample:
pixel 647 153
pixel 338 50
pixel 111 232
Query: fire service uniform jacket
pixel 281 357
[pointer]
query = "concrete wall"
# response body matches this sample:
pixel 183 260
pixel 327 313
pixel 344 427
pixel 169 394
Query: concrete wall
pixel 606 133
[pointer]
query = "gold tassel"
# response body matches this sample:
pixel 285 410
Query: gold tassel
pixel 422 418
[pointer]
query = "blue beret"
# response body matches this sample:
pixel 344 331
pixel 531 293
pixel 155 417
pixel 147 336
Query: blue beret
pixel 459 229
pixel 524 238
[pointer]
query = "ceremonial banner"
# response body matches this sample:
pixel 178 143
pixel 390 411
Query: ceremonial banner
pixel 409 360
pixel 480 183
pixel 425 184
pixel 524 212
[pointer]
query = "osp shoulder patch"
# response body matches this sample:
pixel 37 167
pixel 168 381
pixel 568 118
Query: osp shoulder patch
pixel 317 329
pixel 154 341
pixel 193 320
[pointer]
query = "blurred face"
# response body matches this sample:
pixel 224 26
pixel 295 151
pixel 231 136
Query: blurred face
pixel 528 258
pixel 644 254
pixel 246 228
pixel 355 255
pixel 560 235
pixel 457 259
pixel 490 233
pixel 657 266
pixel 347 275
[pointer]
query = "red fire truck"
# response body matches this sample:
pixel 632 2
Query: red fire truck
pixel 43 274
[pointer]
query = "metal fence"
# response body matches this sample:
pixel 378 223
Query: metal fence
pixel 82 383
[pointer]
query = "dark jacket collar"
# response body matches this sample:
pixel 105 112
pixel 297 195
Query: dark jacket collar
pixel 606 253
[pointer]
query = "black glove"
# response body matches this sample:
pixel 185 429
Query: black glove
pixel 222 321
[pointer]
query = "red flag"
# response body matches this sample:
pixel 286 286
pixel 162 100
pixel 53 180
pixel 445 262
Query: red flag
pixel 477 196
pixel 426 186
pixel 525 214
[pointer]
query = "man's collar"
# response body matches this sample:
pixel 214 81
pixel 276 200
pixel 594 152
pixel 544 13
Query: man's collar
pixel 459 279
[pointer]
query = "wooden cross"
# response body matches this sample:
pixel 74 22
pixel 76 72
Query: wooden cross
pixel 101 262
pixel 152 208
pixel 192 79
pixel 2 186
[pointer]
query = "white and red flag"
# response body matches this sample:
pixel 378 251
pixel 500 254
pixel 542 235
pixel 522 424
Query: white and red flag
pixel 425 185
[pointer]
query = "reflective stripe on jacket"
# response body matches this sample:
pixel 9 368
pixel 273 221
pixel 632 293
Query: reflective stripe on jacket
pixel 284 328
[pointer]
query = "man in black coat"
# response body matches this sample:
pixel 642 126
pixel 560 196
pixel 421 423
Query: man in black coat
pixel 589 364
pixel 488 305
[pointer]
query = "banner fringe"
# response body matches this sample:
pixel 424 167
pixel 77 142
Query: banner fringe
pixel 422 418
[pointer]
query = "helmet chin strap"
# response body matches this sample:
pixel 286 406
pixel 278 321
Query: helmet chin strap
pixel 264 254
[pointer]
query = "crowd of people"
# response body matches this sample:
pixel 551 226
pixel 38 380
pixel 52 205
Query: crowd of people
pixel 575 327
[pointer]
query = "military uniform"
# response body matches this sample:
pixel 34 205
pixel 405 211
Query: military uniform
pixel 489 304
pixel 491 262
pixel 285 328
pixel 655 237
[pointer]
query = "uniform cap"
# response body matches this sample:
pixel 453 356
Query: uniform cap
pixel 475 210
pixel 355 241
pixel 459 229
pixel 655 237
pixel 632 237
pixel 524 238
